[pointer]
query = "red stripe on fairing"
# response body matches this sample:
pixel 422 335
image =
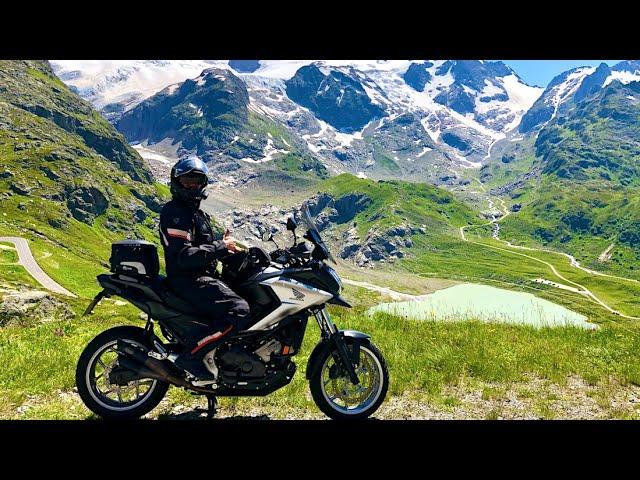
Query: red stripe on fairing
pixel 208 340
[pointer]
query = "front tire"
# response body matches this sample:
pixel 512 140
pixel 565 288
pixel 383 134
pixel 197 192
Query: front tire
pixel 337 397
pixel 92 378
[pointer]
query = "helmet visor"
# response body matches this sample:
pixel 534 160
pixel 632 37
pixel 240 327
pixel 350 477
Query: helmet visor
pixel 193 180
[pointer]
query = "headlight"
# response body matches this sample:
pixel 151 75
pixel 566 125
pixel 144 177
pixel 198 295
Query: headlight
pixel 335 276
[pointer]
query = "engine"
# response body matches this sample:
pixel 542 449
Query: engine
pixel 237 362
pixel 250 361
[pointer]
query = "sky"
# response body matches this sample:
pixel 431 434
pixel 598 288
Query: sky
pixel 541 72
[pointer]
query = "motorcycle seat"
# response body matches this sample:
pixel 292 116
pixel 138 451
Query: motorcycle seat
pixel 155 288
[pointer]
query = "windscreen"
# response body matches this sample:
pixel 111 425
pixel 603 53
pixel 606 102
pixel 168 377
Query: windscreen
pixel 307 219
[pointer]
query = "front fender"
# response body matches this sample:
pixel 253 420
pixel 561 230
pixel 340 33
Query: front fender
pixel 350 336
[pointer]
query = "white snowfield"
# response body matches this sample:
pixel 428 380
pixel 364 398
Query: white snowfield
pixel 111 81
pixel 567 88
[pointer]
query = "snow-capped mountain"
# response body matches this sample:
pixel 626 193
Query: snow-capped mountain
pixel 516 159
pixel 575 84
pixel 385 119
pixel 114 86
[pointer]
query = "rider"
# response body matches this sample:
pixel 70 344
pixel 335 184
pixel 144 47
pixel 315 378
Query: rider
pixel 191 255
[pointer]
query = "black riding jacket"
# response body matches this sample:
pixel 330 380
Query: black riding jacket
pixel 188 240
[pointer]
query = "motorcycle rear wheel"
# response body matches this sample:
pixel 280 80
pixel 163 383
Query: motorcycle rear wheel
pixel 111 401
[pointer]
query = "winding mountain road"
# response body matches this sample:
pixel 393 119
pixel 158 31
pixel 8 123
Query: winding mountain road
pixel 29 263
pixel 583 290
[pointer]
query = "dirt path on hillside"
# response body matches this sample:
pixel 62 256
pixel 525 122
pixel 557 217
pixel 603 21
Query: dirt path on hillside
pixel 385 291
pixel 29 263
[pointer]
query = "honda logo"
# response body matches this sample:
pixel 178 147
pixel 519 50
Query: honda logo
pixel 298 294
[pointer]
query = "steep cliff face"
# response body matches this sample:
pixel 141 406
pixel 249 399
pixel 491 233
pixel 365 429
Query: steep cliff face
pixel 65 172
pixel 334 96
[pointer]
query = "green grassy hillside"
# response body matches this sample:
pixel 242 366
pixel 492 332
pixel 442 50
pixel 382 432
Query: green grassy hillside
pixel 68 181
pixel 394 202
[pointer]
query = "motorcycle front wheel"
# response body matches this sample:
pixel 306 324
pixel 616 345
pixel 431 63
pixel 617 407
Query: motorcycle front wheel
pixel 108 400
pixel 340 399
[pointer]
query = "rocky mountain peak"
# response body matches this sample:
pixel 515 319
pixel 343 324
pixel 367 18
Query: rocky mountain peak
pixel 339 97
pixel 196 112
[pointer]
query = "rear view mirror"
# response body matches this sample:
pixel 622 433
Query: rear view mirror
pixel 291 224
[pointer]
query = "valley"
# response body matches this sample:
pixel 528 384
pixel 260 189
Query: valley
pixel 422 176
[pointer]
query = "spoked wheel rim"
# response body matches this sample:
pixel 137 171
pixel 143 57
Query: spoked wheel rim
pixel 347 398
pixel 112 396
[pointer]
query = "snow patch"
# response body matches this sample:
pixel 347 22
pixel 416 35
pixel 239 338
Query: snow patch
pixel 490 89
pixel 521 96
pixel 171 89
pixel 268 152
pixel 424 151
pixel 467 163
pixel 346 139
pixel 149 154
pixel 197 109
pixel 130 81
pixel 314 148
pixel 568 87
pixel 623 76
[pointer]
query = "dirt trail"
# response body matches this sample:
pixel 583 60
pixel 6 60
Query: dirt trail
pixel 385 291
pixel 29 263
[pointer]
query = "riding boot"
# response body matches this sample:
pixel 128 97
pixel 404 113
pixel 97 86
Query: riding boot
pixel 192 358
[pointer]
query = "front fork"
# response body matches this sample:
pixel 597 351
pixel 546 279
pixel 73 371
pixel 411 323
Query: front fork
pixel 331 333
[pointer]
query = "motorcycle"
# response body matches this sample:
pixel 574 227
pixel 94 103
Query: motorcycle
pixel 126 371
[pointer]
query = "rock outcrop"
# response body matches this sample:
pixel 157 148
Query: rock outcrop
pixel 86 203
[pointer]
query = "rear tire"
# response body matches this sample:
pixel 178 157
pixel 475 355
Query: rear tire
pixel 378 376
pixel 90 392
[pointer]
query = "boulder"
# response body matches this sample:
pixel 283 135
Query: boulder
pixel 26 307
pixel 319 203
pixel 399 231
pixel 349 250
pixel 51 175
pixel 151 201
pixel 59 223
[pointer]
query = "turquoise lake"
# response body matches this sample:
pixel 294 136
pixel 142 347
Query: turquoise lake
pixel 489 304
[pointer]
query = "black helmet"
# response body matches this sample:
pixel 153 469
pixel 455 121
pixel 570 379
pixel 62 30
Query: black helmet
pixel 189 178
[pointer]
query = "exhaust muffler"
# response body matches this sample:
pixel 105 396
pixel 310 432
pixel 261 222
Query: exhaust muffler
pixel 146 366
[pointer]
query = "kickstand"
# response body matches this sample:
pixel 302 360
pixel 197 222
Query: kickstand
pixel 212 403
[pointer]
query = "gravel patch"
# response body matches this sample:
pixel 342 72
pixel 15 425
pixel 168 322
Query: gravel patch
pixel 534 398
